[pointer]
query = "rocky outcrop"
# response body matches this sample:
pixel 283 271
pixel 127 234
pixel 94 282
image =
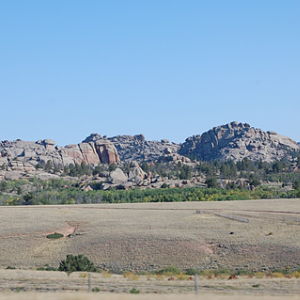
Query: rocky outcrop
pixel 231 141
pixel 106 151
pixel 236 141
pixel 25 156
pixel 136 148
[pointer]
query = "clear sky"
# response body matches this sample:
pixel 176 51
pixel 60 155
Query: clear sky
pixel 164 68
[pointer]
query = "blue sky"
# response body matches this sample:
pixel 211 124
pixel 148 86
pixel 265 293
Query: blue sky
pixel 167 68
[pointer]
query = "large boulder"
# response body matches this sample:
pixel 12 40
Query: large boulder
pixel 136 173
pixel 117 177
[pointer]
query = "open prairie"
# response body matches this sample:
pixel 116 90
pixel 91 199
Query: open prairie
pixel 252 234
pixel 257 234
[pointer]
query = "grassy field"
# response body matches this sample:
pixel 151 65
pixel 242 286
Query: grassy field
pixel 27 284
pixel 64 296
pixel 151 236
pixel 256 235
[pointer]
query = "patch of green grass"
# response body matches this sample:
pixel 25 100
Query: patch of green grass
pixel 222 271
pixel 170 270
pixel 193 271
pixel 244 272
pixel 46 268
pixel 134 291
pixel 55 235
pixel 95 290
pixel 256 285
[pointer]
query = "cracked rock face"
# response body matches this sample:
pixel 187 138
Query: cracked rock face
pixel 24 156
pixel 236 141
pixel 137 148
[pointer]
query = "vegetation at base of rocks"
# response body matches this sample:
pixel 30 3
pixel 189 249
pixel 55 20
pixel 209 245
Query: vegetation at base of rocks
pixel 228 180
pixel 55 235
pixel 74 195
pixel 95 290
pixel 76 263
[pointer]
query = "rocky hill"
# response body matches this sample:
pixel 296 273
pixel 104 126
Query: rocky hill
pixel 231 141
pixel 236 141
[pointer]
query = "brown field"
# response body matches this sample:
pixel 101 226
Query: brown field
pixel 257 234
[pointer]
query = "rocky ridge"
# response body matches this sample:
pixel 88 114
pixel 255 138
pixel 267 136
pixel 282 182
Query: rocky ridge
pixel 25 156
pixel 236 141
pixel 137 148
pixel 231 141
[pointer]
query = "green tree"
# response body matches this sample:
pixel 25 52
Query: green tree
pixel 185 172
pixel 48 165
pixel 296 184
pixel 112 167
pixel 277 167
pixel 29 199
pixel 75 264
pixel 211 182
pixel 254 180
pixel 3 185
pixel 145 167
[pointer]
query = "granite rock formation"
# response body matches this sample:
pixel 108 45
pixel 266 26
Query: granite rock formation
pixel 25 156
pixel 236 141
pixel 136 148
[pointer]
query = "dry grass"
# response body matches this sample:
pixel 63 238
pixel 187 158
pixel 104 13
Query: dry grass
pixel 159 234
pixel 26 282
pixel 152 235
pixel 109 296
pixel 131 276
pixel 106 274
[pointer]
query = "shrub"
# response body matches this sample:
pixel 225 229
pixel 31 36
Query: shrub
pixel 171 270
pixel 296 274
pixel 164 186
pixel 278 275
pixel 46 268
pixel 134 291
pixel 259 275
pixel 55 235
pixel 244 272
pixel 193 271
pixel 75 264
pixel 211 182
pixel 95 290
